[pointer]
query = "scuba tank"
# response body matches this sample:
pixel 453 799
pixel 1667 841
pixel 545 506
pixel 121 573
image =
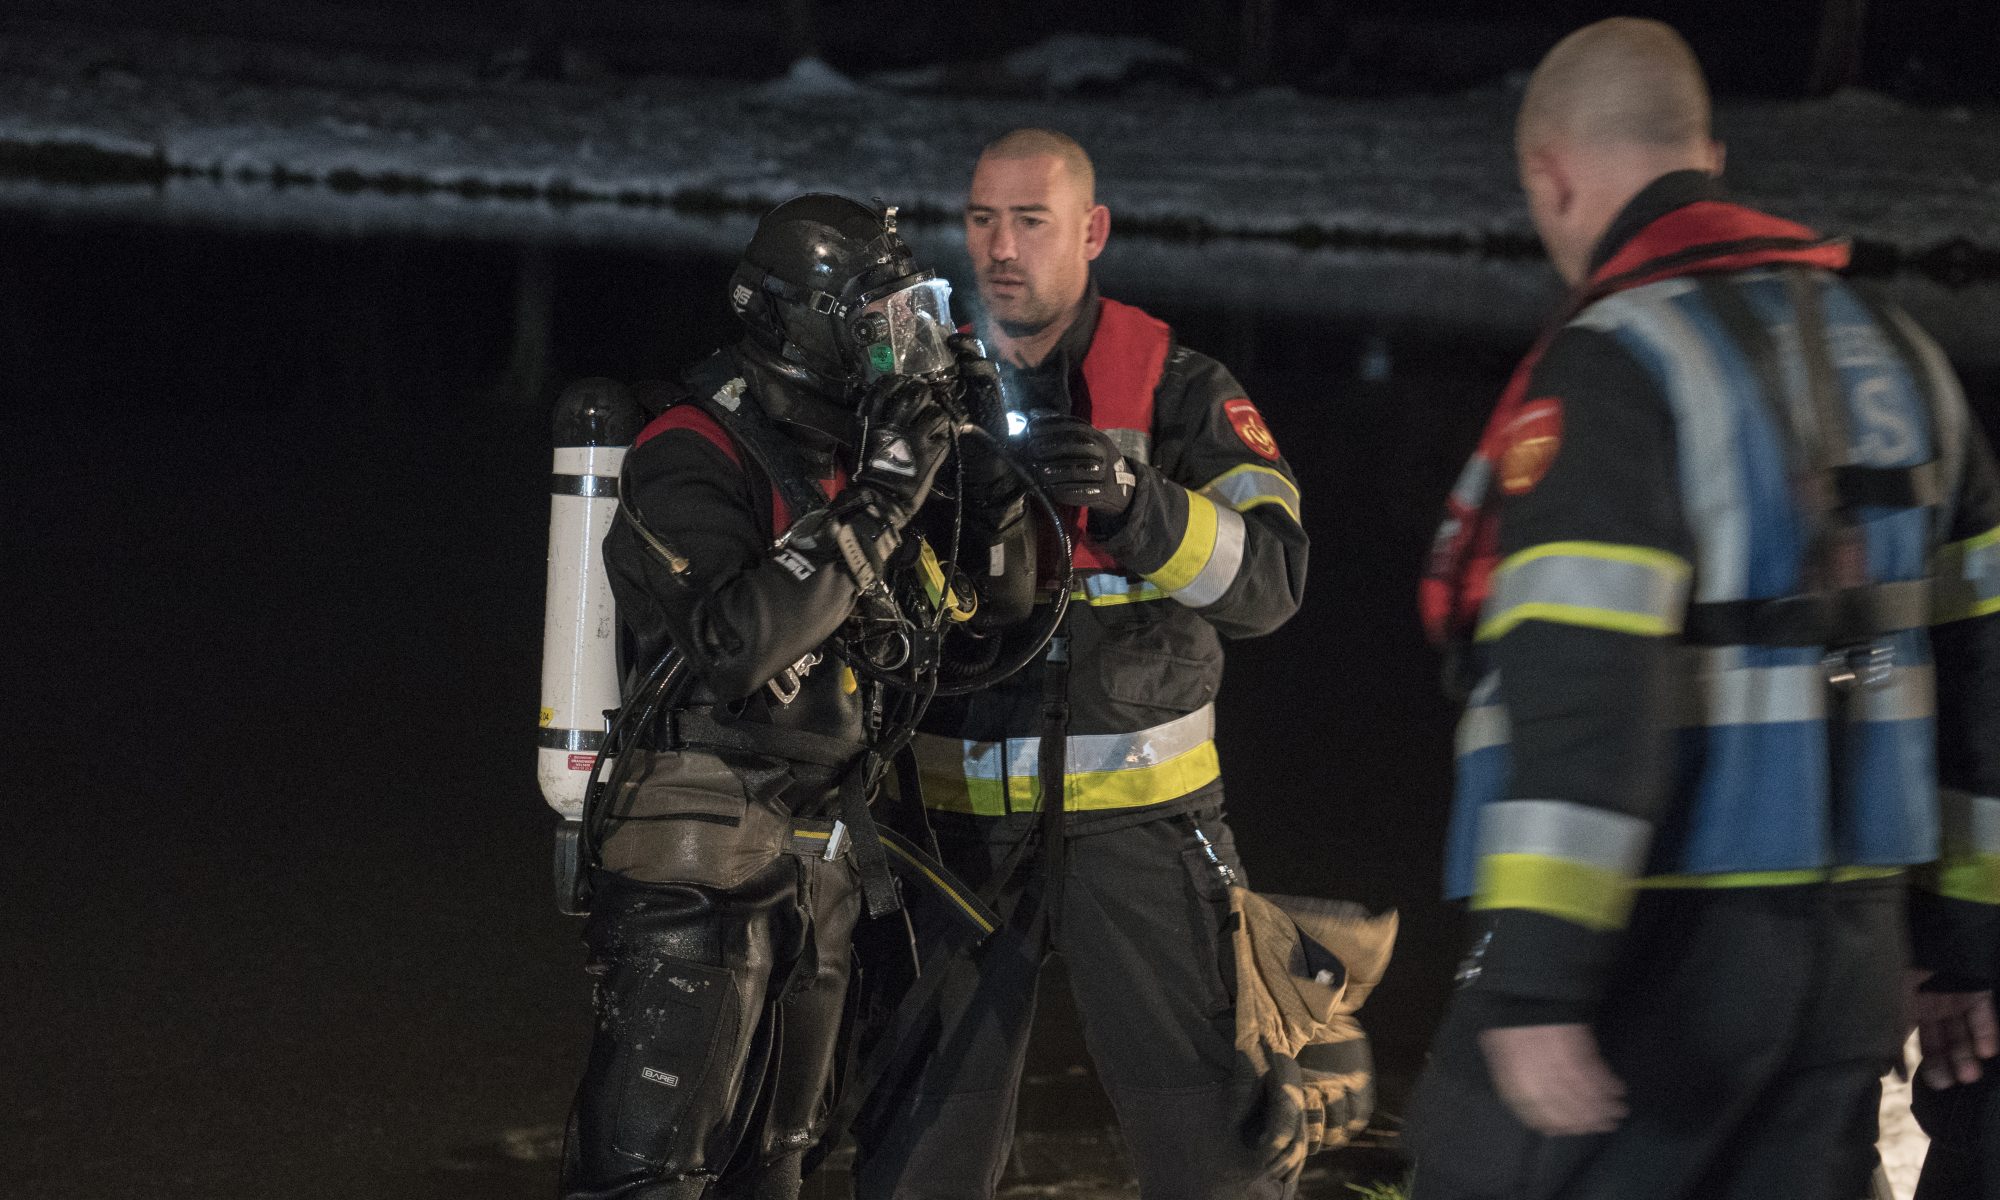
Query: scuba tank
pixel 594 423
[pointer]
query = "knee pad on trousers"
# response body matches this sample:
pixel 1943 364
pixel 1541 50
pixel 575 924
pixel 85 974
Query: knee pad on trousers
pixel 654 1088
pixel 654 1094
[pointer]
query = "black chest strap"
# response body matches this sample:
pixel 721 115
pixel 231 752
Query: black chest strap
pixel 1837 606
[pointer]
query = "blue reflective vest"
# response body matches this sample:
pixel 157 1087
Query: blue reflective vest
pixel 1765 782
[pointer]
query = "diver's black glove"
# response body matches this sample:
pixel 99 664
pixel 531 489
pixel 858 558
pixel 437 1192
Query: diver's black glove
pixel 1077 463
pixel 905 436
pixel 979 384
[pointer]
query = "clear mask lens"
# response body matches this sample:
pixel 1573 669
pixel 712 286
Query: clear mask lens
pixel 909 329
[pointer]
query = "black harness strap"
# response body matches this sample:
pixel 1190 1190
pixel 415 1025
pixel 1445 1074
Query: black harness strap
pixel 1837 606
pixel 719 392
pixel 1052 761
pixel 696 728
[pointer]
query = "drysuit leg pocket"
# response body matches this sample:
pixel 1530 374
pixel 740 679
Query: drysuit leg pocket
pixel 666 1027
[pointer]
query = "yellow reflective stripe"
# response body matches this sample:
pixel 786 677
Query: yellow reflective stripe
pixel 1086 791
pixel 1197 545
pixel 1590 896
pixel 1649 601
pixel 1246 486
pixel 1740 879
pixel 1975 878
pixel 1102 589
pixel 1968 864
pixel 1110 600
pixel 937 881
pixel 1967 579
pixel 1578 614
pixel 1642 556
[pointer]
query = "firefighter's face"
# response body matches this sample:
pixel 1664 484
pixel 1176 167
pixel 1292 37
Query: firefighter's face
pixel 1031 231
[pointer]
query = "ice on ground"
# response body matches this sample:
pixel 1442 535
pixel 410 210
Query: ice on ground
pixel 1069 61
pixel 1260 164
pixel 809 79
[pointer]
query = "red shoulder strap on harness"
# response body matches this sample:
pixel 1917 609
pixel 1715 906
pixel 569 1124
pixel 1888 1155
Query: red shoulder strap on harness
pixel 1706 237
pixel 693 419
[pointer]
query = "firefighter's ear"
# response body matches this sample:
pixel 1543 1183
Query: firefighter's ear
pixel 1549 182
pixel 1718 155
pixel 1096 231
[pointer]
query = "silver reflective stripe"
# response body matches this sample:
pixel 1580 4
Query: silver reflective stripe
pixel 1134 444
pixel 1588 581
pixel 1224 561
pixel 1757 696
pixel 1560 829
pixel 1776 695
pixel 1705 416
pixel 1968 824
pixel 1909 694
pixel 1248 486
pixel 1473 483
pixel 1949 413
pixel 1483 727
pixel 1090 752
pixel 1106 587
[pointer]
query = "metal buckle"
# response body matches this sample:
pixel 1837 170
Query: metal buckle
pixel 1222 869
pixel 1868 666
pixel 785 687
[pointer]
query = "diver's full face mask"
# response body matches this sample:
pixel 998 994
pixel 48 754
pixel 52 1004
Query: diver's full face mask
pixel 905 331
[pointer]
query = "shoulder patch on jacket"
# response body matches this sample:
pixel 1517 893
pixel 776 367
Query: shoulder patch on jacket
pixel 1529 445
pixel 1249 425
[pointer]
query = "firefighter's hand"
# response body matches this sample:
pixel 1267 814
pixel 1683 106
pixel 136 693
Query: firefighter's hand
pixel 1955 1031
pixel 1553 1079
pixel 905 437
pixel 1076 463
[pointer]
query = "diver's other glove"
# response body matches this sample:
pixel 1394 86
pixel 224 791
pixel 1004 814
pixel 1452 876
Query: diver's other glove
pixel 858 533
pixel 979 384
pixel 905 437
pixel 1076 463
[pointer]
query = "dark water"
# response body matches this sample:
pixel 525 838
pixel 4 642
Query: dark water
pixel 278 917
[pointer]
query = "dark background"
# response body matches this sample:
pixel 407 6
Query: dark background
pixel 1920 49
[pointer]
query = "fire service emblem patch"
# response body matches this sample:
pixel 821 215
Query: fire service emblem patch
pixel 1249 425
pixel 1532 439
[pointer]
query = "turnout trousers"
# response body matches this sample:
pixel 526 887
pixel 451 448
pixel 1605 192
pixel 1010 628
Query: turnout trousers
pixel 1138 920
pixel 1751 1027
pixel 718 1016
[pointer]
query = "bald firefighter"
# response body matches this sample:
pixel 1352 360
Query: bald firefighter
pixel 1723 579
pixel 1186 523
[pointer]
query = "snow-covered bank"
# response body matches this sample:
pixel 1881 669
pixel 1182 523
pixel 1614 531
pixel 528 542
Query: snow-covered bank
pixel 1425 171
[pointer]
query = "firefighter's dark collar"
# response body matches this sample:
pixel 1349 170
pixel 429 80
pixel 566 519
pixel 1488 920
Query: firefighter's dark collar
pixel 1075 341
pixel 1675 189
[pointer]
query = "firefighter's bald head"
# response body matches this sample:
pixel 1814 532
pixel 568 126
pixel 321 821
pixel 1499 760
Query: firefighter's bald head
pixel 1614 106
pixel 1619 83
